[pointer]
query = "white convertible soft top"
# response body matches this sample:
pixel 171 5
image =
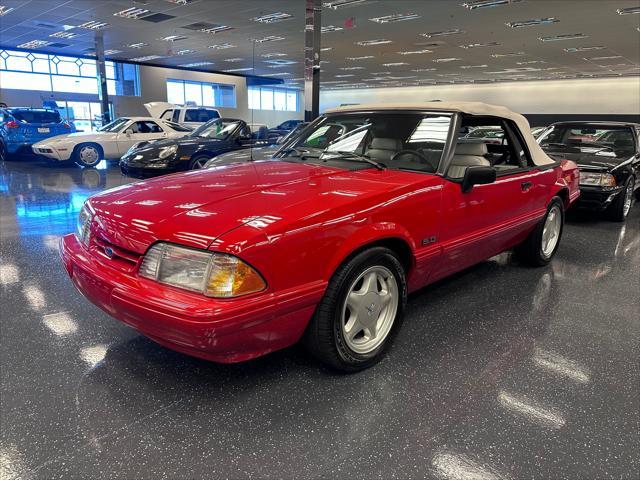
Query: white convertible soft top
pixel 471 108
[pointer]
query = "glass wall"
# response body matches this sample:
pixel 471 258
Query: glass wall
pixel 57 73
pixel 201 94
pixel 274 98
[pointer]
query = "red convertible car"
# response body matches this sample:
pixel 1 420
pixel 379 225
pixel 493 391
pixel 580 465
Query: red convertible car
pixel 323 242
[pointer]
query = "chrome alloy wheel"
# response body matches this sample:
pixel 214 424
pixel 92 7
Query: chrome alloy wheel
pixel 89 155
pixel 551 231
pixel 199 163
pixel 628 198
pixel 370 309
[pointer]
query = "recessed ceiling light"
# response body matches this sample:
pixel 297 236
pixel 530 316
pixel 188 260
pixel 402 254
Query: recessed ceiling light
pixel 564 36
pixel 532 22
pixel 345 75
pixel 628 11
pixel 93 25
pixel 530 62
pixel 234 60
pixel 380 73
pixel 132 13
pixel 510 54
pixel 195 64
pixel 475 4
pixel 273 54
pixel 424 69
pixel 394 64
pixel 173 38
pixel 446 60
pixel 138 45
pixel 355 59
pixel 584 49
pixel 63 34
pixel 368 43
pixel 245 69
pixel 210 28
pixel 351 68
pixel 186 51
pixel 478 45
pixel 443 33
pixel 415 52
pixel 466 67
pixel 268 38
pixel 221 46
pixel 330 28
pixel 34 44
pixel 280 61
pixel 335 4
pixel 278 74
pixel 272 17
pixel 180 2
pixel 112 52
pixel 397 17
pixel 326 49
pixel 146 58
pixel 4 10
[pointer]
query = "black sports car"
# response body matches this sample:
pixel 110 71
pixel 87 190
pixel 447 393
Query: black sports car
pixel 191 151
pixel 608 156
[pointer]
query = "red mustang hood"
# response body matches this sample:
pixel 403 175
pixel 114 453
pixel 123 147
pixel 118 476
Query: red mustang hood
pixel 197 207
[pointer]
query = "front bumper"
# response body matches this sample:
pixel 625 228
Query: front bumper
pixel 46 150
pixel 596 198
pixel 219 330
pixel 144 171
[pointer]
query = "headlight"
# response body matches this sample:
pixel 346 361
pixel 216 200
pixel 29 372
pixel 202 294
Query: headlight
pixel 84 225
pixel 597 179
pixel 213 274
pixel 168 151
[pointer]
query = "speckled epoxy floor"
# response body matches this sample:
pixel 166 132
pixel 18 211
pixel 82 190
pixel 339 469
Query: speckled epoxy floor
pixel 502 372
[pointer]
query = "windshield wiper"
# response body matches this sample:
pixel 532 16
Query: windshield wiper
pixel 357 157
pixel 300 153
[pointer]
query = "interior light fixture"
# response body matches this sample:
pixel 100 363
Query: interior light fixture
pixel 272 17
pixel 415 52
pixel 138 45
pixel 34 44
pixel 345 75
pixel 145 58
pixel 394 64
pixel 268 38
pixel 216 29
pixel 369 43
pixel 479 45
pixel 273 54
pixel 4 10
pixel 330 28
pixel 336 4
pixel 351 68
pixel 466 67
pixel 628 11
pixel 93 25
pixel 446 60
pixel 231 70
pixel 610 57
pixel 112 52
pixel 234 60
pixel 280 61
pixel 279 74
pixel 564 36
pixel 530 62
pixel 364 57
pixel 195 64
pixel 326 49
pixel 584 49
pixel 532 22
pixel 424 70
pixel 505 55
pixel 173 38
pixel 221 46
pixel 132 13
pixel 63 34
pixel 475 4
pixel 397 17
pixel 443 33
pixel 186 51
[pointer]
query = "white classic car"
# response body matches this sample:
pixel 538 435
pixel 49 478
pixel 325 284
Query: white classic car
pixel 108 142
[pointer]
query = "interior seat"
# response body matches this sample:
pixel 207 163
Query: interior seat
pixel 467 155
pixel 382 149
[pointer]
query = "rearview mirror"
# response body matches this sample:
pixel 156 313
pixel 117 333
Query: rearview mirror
pixel 477 175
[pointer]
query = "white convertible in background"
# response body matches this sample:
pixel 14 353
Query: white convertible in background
pixel 108 142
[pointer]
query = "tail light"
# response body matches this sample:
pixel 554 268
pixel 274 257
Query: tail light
pixel 65 125
pixel 12 124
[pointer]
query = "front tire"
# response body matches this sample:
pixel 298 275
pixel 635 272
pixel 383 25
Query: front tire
pixel 542 243
pixel 198 162
pixel 621 206
pixel 87 154
pixel 361 311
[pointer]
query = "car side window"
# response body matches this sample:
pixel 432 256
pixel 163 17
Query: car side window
pixel 522 155
pixel 147 126
pixel 176 116
pixel 166 115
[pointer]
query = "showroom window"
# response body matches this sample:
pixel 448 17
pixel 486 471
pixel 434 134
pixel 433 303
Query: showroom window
pixel 270 98
pixel 57 73
pixel 180 92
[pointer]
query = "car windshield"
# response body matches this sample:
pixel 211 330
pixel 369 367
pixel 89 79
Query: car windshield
pixel 114 126
pixel 217 129
pixel 177 127
pixel 402 141
pixel 36 116
pixel 602 140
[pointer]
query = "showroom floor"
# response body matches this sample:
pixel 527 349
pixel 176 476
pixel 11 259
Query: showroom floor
pixel 501 372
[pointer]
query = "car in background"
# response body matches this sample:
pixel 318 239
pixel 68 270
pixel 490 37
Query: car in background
pixel 489 134
pixel 324 243
pixel 254 154
pixel 108 142
pixel 192 151
pixel 21 127
pixel 282 129
pixel 537 131
pixel 189 115
pixel 608 156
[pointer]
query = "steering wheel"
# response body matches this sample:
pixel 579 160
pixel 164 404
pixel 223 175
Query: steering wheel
pixel 415 154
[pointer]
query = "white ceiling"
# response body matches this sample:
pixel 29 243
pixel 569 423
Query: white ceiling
pixel 617 38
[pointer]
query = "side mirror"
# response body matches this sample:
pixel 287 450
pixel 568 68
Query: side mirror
pixel 477 175
pixel 128 132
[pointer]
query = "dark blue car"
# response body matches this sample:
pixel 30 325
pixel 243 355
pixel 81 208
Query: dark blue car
pixel 21 127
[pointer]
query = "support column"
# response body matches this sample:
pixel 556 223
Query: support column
pixel 103 93
pixel 312 60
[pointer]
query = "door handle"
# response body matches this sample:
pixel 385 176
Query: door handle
pixel 526 186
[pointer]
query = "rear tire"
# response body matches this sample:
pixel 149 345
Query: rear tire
pixel 87 154
pixel 542 243
pixel 621 206
pixel 360 313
